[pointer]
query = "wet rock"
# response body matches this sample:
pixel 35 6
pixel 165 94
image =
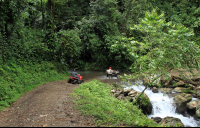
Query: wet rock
pixel 132 93
pixel 157 119
pixel 121 97
pixel 198 113
pixel 179 84
pixel 181 101
pixel 198 105
pixel 144 103
pixel 126 91
pixel 171 122
pixel 198 110
pixel 179 89
pixel 192 105
pixel 173 95
pixel 166 90
pixel 119 91
pixel 155 90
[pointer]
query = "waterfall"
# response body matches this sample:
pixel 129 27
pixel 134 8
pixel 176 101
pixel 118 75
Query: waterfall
pixel 163 105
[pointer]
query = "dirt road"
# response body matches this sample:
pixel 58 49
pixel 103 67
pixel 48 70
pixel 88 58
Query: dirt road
pixel 46 106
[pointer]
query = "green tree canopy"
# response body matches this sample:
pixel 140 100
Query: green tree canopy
pixel 165 46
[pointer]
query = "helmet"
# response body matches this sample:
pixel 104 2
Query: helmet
pixel 74 70
pixel 109 67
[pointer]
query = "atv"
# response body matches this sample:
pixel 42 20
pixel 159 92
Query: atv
pixel 75 80
pixel 112 73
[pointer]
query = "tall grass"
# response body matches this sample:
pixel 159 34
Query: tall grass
pixel 17 79
pixel 94 99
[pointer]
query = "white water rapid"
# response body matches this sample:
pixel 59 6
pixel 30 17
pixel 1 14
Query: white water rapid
pixel 163 105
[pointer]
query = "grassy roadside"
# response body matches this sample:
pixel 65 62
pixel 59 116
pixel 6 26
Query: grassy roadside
pixel 17 79
pixel 93 99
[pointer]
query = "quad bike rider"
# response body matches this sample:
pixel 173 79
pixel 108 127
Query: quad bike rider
pixel 111 73
pixel 75 78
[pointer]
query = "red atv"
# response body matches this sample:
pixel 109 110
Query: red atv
pixel 75 80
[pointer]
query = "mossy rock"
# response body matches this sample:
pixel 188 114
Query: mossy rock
pixel 171 122
pixel 144 103
pixel 189 90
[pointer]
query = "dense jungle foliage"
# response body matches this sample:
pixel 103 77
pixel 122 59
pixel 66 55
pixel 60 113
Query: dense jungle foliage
pixel 142 36
pixel 90 34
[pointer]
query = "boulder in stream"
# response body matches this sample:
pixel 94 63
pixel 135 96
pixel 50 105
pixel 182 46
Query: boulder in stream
pixel 131 95
pixel 179 89
pixel 181 101
pixel 126 91
pixel 191 107
pixel 155 90
pixel 157 119
pixel 171 122
pixel 144 103
pixel 166 90
pixel 198 110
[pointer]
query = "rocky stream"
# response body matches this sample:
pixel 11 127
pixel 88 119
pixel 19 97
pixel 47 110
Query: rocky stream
pixel 169 105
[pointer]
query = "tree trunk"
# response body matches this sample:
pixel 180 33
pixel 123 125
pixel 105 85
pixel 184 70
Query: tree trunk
pixel 51 7
pixel 42 14
pixel 140 95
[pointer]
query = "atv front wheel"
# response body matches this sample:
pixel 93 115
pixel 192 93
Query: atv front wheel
pixel 69 80
pixel 75 82
pixel 80 81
